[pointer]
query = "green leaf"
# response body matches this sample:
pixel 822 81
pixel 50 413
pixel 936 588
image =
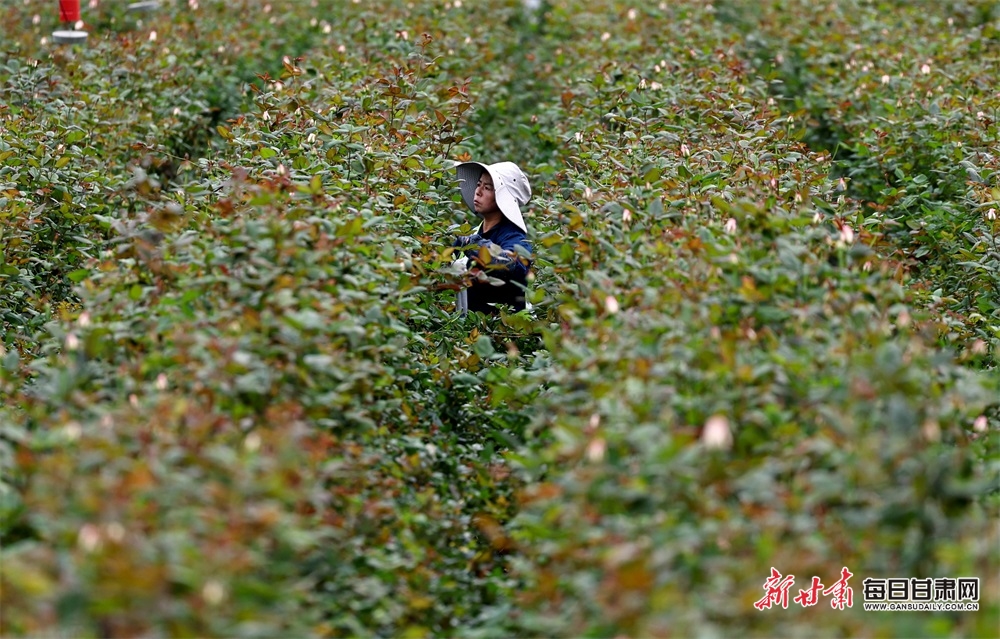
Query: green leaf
pixel 464 379
pixel 483 347
pixel 651 176
pixel 11 361
pixel 75 136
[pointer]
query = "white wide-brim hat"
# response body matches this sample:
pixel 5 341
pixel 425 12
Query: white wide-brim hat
pixel 510 186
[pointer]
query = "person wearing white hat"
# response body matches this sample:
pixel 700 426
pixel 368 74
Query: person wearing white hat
pixel 496 192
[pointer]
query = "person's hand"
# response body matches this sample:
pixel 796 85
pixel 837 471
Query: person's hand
pixel 465 240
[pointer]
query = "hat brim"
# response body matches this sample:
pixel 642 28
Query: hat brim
pixel 468 176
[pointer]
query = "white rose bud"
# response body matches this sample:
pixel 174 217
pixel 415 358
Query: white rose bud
pixel 716 433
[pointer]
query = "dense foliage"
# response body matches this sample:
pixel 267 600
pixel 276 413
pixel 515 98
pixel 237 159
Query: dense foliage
pixel 237 401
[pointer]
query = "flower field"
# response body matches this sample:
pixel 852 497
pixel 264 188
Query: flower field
pixel 764 325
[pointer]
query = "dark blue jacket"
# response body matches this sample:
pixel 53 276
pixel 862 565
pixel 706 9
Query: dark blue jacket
pixel 513 270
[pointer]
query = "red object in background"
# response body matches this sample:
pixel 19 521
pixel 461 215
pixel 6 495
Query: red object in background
pixel 69 10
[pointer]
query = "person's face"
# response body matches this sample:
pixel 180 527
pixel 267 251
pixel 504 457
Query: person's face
pixel 485 200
